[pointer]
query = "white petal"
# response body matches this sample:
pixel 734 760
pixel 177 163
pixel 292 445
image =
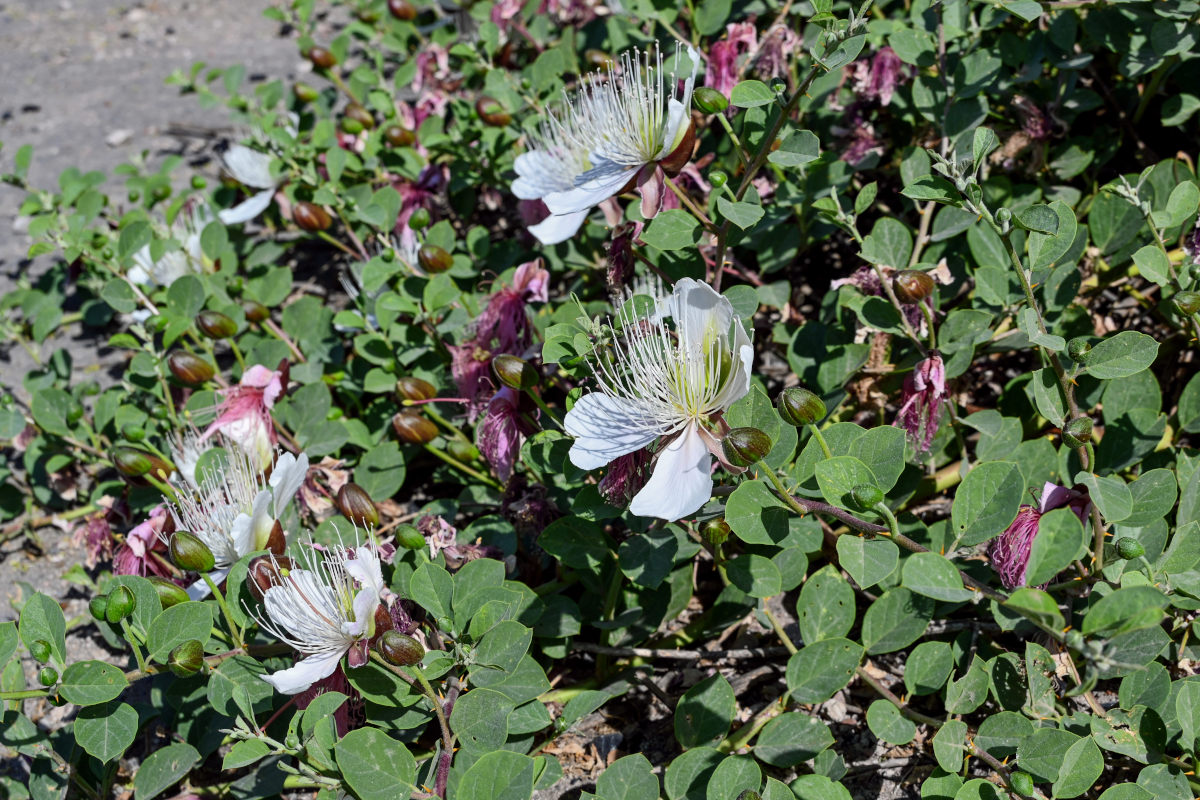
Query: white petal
pixel 365 603
pixel 242 533
pixel 605 427
pixel 558 227
pixel 249 167
pixel 594 186
pixel 681 482
pixel 310 670
pixel 261 522
pixel 365 568
pixel 540 173
pixel 677 117
pixel 286 479
pixel 248 209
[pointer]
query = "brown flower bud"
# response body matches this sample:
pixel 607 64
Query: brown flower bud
pixel 215 325
pixel 491 112
pixel 402 9
pixel 401 650
pixel 414 428
pixel 515 373
pixel 399 136
pixel 412 388
pixel 255 311
pixel 434 259
pixel 305 93
pixel 134 463
pixel 189 368
pixel 912 285
pixel 311 217
pixel 321 58
pixel 359 113
pixel 356 505
pixel 264 572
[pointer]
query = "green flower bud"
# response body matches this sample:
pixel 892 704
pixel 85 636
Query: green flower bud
pixel 411 388
pixel 189 553
pixel 1021 782
pixel 798 406
pixel 866 496
pixel 408 537
pixel 121 604
pixel 715 532
pixel 745 446
pixel 1074 640
pixel 134 195
pixel 717 178
pixel 912 285
pixel 434 259
pixel 1004 216
pixel 186 659
pixel 40 650
pixel 1188 303
pixel 399 136
pixel 198 182
pixel 134 463
pixel 1128 547
pixel 215 325
pixel 1077 432
pixel 351 126
pixel 414 428
pixel 321 58
pixel 189 368
pixel 98 606
pixel 515 373
pixel 132 433
pixel 419 219
pixel 401 650
pixel 305 93
pixel 169 593
pixel 356 505
pixel 709 100
pixel 360 114
pixel 1078 348
pixel 255 311
pixel 463 451
pixel 47 676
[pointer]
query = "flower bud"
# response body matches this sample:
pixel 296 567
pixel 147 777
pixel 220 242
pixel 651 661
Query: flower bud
pixel 399 136
pixel 1021 782
pixel 419 219
pixel 40 650
pixel 321 58
pixel 866 496
pixel 491 112
pixel 413 388
pixel 134 463
pixel 912 285
pixel 352 126
pixel 186 659
pixel 215 325
pixel 1004 216
pixel 709 100
pixel 264 572
pixel 189 553
pixel 515 373
pixel 169 593
pixel 1077 432
pixel 401 650
pixel 98 605
pixel 311 217
pixel 434 259
pixel 402 10
pixel 798 406
pixel 414 428
pixel 47 676
pixel 1074 640
pixel 189 368
pixel 132 433
pixel 356 505
pixel 408 537
pixel 598 59
pixel 463 451
pixel 121 604
pixel 717 178
pixel 255 311
pixel 1078 348
pixel 715 532
pixel 305 93
pixel 745 446
pixel 360 114
pixel 1128 547
pixel 1187 302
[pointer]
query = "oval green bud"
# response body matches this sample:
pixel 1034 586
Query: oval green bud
pixel 515 373
pixel 1188 303
pixel 186 659
pixel 717 178
pixel 134 463
pixel 1077 432
pixel 356 505
pixel 47 676
pixel 745 446
pixel 798 406
pixel 1128 547
pixel 1078 349
pixel 401 650
pixel 40 650
pixel 715 532
pixel 189 553
pixel 411 388
pixel 215 325
pixel 132 433
pixel 98 607
pixel 1022 782
pixel 1074 640
pixel 434 259
pixel 121 604
pixel 419 219
pixel 866 496
pixel 1004 216
pixel 198 182
pixel 709 100
pixel 169 593
pixel 463 451
pixel 408 537
pixel 304 92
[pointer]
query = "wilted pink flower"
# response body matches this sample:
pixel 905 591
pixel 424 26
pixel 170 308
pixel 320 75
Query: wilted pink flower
pixel 443 538
pixel 921 404
pixel 503 431
pixel 1010 551
pixel 878 79
pixel 433 67
pixel 571 12
pixel 244 414
pixel 1034 122
pixel 775 52
pixel 136 555
pixel 722 71
pixel 421 193
pixel 504 10
pixel 96 536
pixel 1191 244
pixel 859 140
pixel 626 476
pixel 620 256
pixel 528 507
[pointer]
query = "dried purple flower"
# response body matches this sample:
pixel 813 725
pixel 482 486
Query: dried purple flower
pixel 921 403
pixel 626 476
pixel 879 79
pixel 503 431
pixel 722 72
pixel 1010 551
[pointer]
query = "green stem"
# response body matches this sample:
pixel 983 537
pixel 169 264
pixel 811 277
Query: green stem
pixel 779 631
pixel 432 413
pixel 540 403
pixel 816 432
pixel 237 355
pixel 137 650
pixel 234 630
pixel 23 694
pixel 609 612
pixel 461 467
pixel 741 151
pixel 784 494
pixel 887 514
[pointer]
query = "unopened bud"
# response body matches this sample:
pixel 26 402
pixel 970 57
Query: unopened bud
pixel 399 136
pixel 408 537
pixel 1078 349
pixel 866 496
pixel 419 219
pixel 121 604
pixel 715 532
pixel 402 9
pixel 413 388
pixel 1187 302
pixel 709 100
pixel 98 606
pixel 401 650
pixel 434 259
pixel 189 368
pixel 798 406
pixel 717 178
pixel 134 463
pixel 359 114
pixel 515 373
pixel 169 593
pixel 1004 216
pixel 745 446
pixel 321 58
pixel 305 93
pixel 186 659
pixel 264 572
pixel 356 505
pixel 351 126
pixel 912 285
pixel 311 217
pixel 255 311
pixel 463 451
pixel 1077 432
pixel 1022 782
pixel 598 58
pixel 40 650
pixel 189 553
pixel 1075 640
pixel 414 428
pixel 47 676
pixel 1128 547
pixel 215 325
pixel 492 113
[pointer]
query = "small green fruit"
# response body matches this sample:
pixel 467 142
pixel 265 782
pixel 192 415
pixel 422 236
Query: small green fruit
pixel 121 604
pixel 189 553
pixel 745 446
pixel 709 100
pixel 47 676
pixel 186 659
pixel 1128 547
pixel 1077 432
pixel 799 406
pixel 866 496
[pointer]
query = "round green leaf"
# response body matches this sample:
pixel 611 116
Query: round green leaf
pixel 886 722
pixel 934 576
pixel 162 769
pixel 376 766
pixel 792 738
pixel 705 712
pixel 868 561
pixel 818 671
pixel 105 731
pixel 87 683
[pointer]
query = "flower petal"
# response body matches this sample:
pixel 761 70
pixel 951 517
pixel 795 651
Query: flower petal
pixel 249 166
pixel 592 187
pixel 248 209
pixel 605 427
pixel 558 227
pixel 286 479
pixel 681 482
pixel 538 174
pixel 307 672
pixel 365 569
